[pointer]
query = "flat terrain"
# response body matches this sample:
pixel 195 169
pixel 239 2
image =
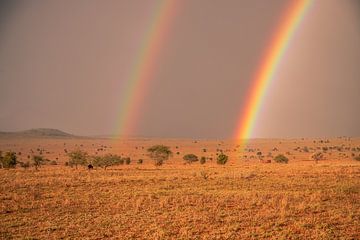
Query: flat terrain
pixel 245 199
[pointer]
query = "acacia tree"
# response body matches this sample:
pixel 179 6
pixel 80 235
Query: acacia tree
pixel 38 161
pixel 189 158
pixel 77 157
pixel 159 153
pixel 9 160
pixel 281 159
pixel 106 161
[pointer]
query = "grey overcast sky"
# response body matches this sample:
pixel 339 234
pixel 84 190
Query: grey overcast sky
pixel 63 64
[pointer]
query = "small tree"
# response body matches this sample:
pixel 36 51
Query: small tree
pixel 202 160
pixel 106 161
pixel 317 156
pixel 77 157
pixel 190 158
pixel 159 153
pixel 127 160
pixel 9 160
pixel 24 165
pixel 38 161
pixel 281 159
pixel 222 159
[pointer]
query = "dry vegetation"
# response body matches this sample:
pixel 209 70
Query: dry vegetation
pixel 243 199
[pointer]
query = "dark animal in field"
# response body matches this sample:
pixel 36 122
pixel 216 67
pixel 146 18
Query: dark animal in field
pixel 90 167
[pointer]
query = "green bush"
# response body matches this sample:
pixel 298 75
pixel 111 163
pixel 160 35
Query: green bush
pixel 9 160
pixel 159 153
pixel 190 158
pixel 222 159
pixel 78 157
pixel 281 159
pixel 127 160
pixel 38 161
pixel 106 161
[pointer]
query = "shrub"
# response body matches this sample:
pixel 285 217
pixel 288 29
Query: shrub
pixel 38 161
pixel 189 158
pixel 9 160
pixel 317 156
pixel 202 160
pixel 222 159
pixel 77 157
pixel 140 161
pixel 53 162
pixel 107 160
pixel 281 159
pixel 127 160
pixel 159 153
pixel 24 165
pixel 357 158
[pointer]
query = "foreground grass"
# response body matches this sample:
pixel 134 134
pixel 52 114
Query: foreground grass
pixel 255 201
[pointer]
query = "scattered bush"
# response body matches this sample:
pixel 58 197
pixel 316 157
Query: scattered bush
pixel 78 157
pixel 107 160
pixel 24 165
pixel 202 160
pixel 159 153
pixel 38 161
pixel 190 158
pixel 9 160
pixel 127 160
pixel 317 156
pixel 357 158
pixel 53 162
pixel 140 161
pixel 222 159
pixel 281 159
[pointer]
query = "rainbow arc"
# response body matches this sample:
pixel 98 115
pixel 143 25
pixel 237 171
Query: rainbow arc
pixel 269 64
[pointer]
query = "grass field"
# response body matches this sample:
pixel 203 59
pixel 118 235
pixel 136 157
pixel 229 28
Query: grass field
pixel 241 200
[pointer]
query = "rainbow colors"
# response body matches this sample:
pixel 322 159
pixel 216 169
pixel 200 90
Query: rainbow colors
pixel 268 66
pixel 145 65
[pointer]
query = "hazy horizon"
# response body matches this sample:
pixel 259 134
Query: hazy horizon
pixel 65 66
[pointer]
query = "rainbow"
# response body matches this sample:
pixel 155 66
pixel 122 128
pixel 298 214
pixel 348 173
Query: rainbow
pixel 145 65
pixel 265 74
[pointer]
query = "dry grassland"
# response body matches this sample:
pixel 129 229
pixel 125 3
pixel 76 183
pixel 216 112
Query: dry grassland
pixel 241 200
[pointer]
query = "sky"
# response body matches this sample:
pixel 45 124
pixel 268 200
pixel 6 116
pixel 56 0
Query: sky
pixel 65 65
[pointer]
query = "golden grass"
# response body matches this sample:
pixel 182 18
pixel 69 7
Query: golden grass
pixel 248 200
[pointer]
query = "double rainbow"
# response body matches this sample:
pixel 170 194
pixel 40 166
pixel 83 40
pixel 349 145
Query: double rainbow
pixel 147 59
pixel 265 74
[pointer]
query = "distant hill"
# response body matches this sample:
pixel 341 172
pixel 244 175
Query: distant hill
pixel 38 132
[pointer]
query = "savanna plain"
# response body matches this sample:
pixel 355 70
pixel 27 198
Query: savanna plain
pixel 316 195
